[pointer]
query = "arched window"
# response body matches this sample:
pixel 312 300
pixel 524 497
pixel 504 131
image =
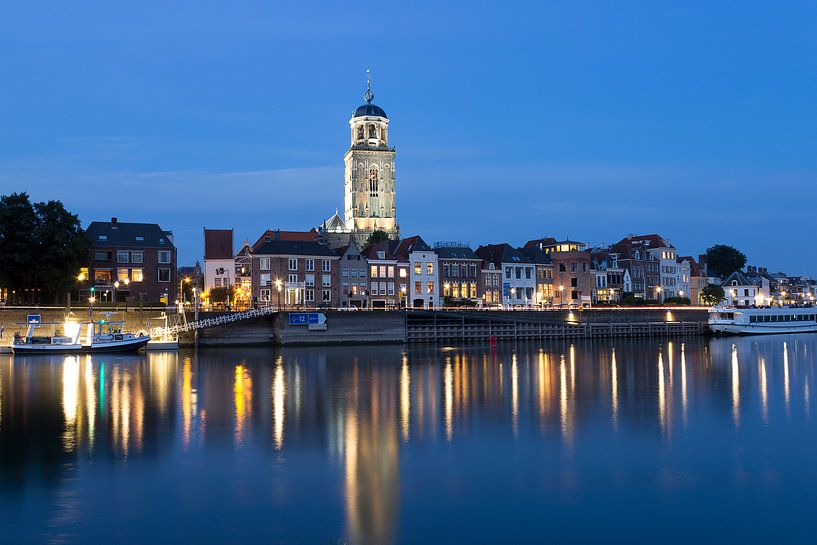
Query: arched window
pixel 360 135
pixel 373 181
pixel 372 131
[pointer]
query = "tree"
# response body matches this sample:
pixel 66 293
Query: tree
pixel 712 294
pixel 42 247
pixel 18 226
pixel 376 237
pixel 723 260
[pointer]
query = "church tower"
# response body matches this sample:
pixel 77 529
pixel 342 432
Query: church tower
pixel 369 203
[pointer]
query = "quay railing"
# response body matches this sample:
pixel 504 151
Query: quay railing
pixel 215 321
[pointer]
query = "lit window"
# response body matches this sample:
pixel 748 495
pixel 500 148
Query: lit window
pixel 417 267
pixel 430 268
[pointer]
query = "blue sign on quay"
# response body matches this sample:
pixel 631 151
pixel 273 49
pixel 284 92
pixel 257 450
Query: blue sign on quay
pixel 304 318
pixel 33 319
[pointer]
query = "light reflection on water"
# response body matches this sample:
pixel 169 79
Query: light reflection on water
pixel 387 442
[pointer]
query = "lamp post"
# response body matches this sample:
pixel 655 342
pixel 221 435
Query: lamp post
pixel 513 296
pixel 91 301
pixel 115 287
pixel 127 284
pixel 278 288
pixel 658 294
pixel 561 295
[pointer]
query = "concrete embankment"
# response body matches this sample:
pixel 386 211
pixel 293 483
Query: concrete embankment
pixel 429 326
pixel 14 318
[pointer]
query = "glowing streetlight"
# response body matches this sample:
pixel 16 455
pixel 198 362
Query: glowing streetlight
pixel 278 285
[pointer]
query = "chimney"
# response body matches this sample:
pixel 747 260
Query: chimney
pixel 113 223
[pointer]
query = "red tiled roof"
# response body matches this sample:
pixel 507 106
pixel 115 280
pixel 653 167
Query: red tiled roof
pixel 218 243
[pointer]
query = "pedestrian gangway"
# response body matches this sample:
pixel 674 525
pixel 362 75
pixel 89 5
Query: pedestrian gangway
pixel 171 332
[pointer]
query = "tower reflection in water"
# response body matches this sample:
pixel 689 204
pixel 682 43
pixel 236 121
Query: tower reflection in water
pixel 364 409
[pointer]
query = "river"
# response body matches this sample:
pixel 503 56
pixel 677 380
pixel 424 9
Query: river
pixel 636 441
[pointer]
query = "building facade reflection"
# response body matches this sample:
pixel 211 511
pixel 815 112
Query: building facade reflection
pixel 364 410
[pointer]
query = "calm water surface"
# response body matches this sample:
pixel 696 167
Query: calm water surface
pixel 632 441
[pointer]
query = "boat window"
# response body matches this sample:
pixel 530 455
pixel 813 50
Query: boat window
pixel 752 319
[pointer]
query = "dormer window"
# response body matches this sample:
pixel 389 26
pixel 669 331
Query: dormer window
pixel 140 239
pixel 381 255
pixel 103 237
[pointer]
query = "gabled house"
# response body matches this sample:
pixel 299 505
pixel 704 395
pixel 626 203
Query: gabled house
pixel 219 258
pixel 354 277
pixel 460 271
pixel 544 274
pixel 739 291
pixel 518 273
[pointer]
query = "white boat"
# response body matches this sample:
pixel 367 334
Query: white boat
pixel 49 338
pixel 763 320
pixel 78 337
pixel 109 337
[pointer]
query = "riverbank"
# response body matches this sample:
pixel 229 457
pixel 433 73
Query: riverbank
pixel 397 327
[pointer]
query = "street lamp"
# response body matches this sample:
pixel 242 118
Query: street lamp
pixel 91 301
pixel 278 287
pixel 115 287
pixel 127 283
pixel 658 293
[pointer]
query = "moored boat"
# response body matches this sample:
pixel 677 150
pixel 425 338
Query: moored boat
pixel 78 337
pixel 762 320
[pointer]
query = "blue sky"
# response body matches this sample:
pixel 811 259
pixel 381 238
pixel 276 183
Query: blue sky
pixel 515 120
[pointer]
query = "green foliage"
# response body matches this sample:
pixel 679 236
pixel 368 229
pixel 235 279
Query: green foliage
pixel 629 299
pixel 42 246
pixel 723 260
pixel 220 295
pixel 376 237
pixel 712 294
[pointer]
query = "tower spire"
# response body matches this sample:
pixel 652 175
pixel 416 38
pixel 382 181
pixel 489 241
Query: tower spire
pixel 369 96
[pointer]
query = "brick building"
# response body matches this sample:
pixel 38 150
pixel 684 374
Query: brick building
pixel 460 274
pixel 131 261
pixel 294 273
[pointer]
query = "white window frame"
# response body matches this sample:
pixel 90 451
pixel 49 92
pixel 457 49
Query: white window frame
pixel 292 264
pixel 264 263
pixel 162 261
pixel 159 274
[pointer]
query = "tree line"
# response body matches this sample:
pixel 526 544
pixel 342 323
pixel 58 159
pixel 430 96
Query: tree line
pixel 42 248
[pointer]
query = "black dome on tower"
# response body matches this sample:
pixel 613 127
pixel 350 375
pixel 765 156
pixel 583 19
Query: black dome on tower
pixel 369 108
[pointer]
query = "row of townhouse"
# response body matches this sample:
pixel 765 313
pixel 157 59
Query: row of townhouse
pixel 297 269
pixel 757 287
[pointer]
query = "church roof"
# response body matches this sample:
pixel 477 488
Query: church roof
pixel 335 224
pixel 368 110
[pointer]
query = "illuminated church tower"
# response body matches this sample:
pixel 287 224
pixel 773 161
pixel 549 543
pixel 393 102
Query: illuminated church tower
pixel 369 185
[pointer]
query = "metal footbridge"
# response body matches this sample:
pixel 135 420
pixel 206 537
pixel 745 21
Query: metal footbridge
pixel 171 332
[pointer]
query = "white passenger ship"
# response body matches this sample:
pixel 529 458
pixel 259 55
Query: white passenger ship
pixel 762 321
